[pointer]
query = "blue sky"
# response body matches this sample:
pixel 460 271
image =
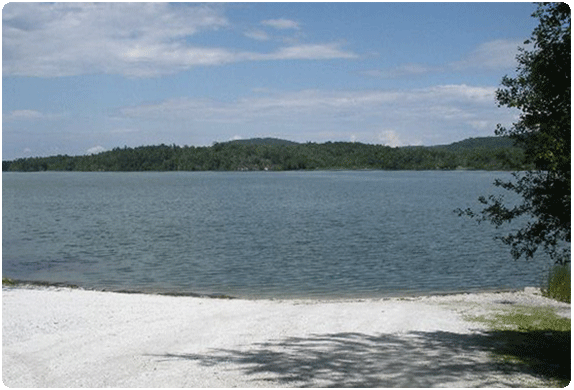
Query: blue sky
pixel 80 78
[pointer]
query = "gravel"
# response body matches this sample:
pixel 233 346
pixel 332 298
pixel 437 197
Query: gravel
pixel 62 337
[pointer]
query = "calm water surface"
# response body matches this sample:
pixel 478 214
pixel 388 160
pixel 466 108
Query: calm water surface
pixel 256 234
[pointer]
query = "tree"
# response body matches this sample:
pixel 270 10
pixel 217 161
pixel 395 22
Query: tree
pixel 541 91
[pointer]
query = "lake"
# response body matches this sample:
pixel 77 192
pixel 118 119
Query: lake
pixel 308 234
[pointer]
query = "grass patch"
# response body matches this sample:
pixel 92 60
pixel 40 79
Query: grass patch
pixel 558 284
pixel 9 282
pixel 533 337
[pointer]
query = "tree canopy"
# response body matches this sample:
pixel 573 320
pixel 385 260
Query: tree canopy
pixel 541 91
pixel 492 153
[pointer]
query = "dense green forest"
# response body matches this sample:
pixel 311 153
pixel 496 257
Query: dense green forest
pixel 488 153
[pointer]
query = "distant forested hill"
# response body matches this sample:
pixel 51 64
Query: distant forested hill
pixel 480 142
pixel 490 153
pixel 263 141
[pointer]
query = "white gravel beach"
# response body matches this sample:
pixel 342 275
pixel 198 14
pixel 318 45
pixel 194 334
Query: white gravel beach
pixel 60 337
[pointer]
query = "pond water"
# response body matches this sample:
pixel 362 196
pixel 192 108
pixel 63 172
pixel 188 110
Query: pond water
pixel 327 234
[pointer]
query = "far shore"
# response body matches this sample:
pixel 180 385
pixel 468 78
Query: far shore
pixel 66 337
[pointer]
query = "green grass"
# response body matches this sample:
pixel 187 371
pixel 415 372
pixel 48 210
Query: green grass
pixel 9 282
pixel 534 338
pixel 558 284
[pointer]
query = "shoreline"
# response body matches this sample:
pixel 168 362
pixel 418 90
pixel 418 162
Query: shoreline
pixel 18 283
pixel 63 337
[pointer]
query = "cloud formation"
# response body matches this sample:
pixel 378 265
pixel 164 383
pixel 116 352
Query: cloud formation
pixel 493 55
pixel 390 138
pixel 258 35
pixel 130 39
pixel 28 115
pixel 281 24
pixel 446 99
pixel 24 115
pixel 95 150
pixel 496 55
pixel 321 115
pixel 306 51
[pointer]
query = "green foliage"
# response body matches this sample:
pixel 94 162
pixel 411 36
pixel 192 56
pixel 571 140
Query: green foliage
pixel 541 91
pixel 8 282
pixel 480 143
pixel 558 284
pixel 532 336
pixel 273 154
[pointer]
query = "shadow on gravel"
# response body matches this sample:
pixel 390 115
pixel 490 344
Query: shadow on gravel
pixel 415 359
pixel 546 352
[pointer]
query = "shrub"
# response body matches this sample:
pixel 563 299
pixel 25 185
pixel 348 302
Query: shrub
pixel 558 283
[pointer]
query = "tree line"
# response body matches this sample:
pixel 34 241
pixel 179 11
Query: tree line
pixel 278 155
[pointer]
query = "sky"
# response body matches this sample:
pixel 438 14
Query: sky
pixel 81 78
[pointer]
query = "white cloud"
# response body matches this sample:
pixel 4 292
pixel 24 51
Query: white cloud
pixel 497 55
pixel 24 115
pixel 60 39
pixel 281 24
pixel 493 55
pixel 444 99
pixel 480 124
pixel 404 70
pixel 152 59
pixel 95 150
pixel 411 116
pixel 257 35
pixel 390 138
pixel 30 116
pixel 131 39
pixel 309 51
pixel 463 92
